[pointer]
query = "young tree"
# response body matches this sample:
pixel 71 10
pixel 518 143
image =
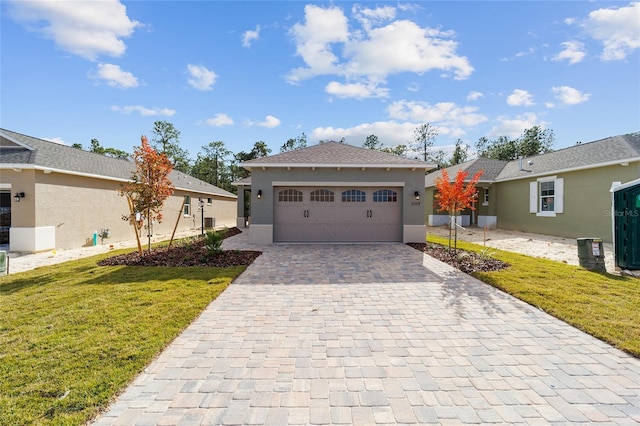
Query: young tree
pixel 166 139
pixel 456 196
pixel 423 138
pixel 149 187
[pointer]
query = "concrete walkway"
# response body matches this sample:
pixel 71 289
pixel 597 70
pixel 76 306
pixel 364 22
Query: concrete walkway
pixel 376 334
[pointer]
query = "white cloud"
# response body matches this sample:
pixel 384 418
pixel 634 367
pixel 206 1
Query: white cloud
pixel 328 47
pixel 250 36
pixel 56 140
pixel 201 77
pixel 570 96
pixel 269 122
pixel 520 97
pixel 322 27
pixel 146 112
pixel 115 77
pixel 403 46
pixel 442 114
pixel 617 30
pixel 514 127
pixel 373 17
pixel 84 28
pixel 390 133
pixel 220 120
pixel 356 90
pixel 474 95
pixel 413 87
pixel 573 51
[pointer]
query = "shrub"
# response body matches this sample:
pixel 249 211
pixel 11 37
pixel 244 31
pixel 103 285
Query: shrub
pixel 213 241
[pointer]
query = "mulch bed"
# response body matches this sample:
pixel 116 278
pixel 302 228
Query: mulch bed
pixel 466 261
pixel 189 253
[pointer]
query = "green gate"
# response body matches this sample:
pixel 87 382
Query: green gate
pixel 626 223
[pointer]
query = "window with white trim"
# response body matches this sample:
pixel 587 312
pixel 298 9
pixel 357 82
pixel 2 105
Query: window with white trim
pixel 187 205
pixel 546 196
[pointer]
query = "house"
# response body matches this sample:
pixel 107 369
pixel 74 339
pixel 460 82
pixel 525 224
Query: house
pixel 563 193
pixel 56 196
pixel 334 192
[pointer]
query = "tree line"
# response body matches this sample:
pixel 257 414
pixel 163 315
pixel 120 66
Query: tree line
pixel 217 165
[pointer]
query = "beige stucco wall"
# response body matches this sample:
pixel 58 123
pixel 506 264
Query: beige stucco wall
pixel 587 203
pixel 77 206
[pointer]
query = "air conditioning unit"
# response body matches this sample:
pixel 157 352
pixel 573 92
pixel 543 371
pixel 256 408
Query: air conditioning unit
pixel 209 222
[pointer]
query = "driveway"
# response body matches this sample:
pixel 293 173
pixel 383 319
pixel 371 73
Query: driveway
pixel 376 334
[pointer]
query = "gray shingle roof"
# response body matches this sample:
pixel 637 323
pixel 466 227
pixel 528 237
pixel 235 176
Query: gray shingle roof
pixel 51 155
pixel 583 156
pixel 592 154
pixel 335 154
pixel 490 170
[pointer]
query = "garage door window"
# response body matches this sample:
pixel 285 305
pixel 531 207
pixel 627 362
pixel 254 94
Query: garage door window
pixel 385 196
pixel 322 196
pixel 290 195
pixel 354 196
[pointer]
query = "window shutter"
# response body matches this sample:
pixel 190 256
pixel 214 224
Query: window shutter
pixel 533 197
pixel 558 188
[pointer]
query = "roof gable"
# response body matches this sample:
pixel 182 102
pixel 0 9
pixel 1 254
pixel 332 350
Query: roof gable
pixel 335 154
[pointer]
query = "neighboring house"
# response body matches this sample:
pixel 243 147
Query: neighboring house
pixel 334 192
pixel 563 193
pixel 56 196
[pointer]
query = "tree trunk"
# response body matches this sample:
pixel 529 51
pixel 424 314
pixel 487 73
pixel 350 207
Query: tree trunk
pixel 133 223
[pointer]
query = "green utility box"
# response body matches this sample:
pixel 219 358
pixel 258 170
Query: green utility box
pixel 626 225
pixel 591 254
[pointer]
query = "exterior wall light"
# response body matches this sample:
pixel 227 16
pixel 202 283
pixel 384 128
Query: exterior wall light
pixel 18 196
pixel 259 193
pixel 417 195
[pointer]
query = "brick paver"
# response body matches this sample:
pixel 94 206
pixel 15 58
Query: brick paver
pixel 376 334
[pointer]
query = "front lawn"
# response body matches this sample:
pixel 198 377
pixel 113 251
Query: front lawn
pixel 72 335
pixel 604 305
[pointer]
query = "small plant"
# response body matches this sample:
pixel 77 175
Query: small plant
pixel 485 253
pixel 213 241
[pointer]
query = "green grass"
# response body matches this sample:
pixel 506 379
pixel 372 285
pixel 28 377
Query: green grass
pixel 73 335
pixel 604 305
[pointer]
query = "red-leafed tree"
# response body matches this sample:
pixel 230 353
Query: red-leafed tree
pixel 455 196
pixel 149 187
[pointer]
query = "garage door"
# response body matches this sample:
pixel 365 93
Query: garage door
pixel 337 214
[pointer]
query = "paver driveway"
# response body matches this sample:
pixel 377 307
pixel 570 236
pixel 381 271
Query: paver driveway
pixel 376 334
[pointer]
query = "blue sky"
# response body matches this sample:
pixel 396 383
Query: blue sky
pixel 247 71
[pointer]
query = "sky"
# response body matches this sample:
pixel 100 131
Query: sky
pixel 248 71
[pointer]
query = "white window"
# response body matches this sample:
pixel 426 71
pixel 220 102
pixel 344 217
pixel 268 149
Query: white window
pixel 485 200
pixel 546 196
pixel 187 205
